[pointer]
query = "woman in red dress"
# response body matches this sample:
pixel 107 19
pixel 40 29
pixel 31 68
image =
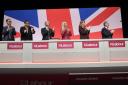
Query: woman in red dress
pixel 65 32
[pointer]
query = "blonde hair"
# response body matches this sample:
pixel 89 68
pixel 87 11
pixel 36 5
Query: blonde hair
pixel 63 25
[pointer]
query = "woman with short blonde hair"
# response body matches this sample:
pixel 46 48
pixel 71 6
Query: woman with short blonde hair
pixel 65 31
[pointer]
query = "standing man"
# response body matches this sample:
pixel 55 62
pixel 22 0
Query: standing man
pixel 8 31
pixel 47 32
pixel 106 32
pixel 27 31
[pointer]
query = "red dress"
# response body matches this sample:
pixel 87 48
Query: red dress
pixel 66 34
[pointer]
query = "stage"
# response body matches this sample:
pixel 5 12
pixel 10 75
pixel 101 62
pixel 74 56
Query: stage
pixel 64 53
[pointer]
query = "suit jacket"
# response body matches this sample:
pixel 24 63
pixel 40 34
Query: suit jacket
pixel 8 35
pixel 84 33
pixel 47 34
pixel 26 35
pixel 106 33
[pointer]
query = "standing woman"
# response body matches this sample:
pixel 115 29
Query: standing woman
pixel 84 31
pixel 65 32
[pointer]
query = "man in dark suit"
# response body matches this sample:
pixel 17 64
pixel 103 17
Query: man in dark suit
pixel 106 32
pixel 47 32
pixel 8 31
pixel 26 31
pixel 83 30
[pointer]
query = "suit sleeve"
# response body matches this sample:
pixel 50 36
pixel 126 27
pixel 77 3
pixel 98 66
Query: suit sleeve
pixel 33 31
pixel 13 31
pixel 52 33
pixel 43 31
pixel 5 32
pixel 22 31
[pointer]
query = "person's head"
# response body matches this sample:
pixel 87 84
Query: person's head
pixel 64 25
pixel 106 24
pixel 26 23
pixel 9 22
pixel 82 24
pixel 47 23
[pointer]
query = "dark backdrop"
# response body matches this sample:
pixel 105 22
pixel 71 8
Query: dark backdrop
pixel 43 4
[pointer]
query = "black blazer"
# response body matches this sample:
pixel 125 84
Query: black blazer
pixel 106 33
pixel 26 35
pixel 84 33
pixel 8 35
pixel 47 34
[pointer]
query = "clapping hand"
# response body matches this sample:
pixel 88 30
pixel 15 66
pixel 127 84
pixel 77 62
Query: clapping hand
pixel 89 27
pixel 32 30
pixel 53 29
pixel 112 31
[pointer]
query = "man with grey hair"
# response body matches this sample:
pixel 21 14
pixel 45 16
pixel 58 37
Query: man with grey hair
pixel 106 31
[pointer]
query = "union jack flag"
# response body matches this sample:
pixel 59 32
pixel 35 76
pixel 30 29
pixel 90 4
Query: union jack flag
pixel 93 17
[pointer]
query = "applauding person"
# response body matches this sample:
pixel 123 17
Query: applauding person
pixel 65 32
pixel 106 32
pixel 84 30
pixel 47 32
pixel 8 31
pixel 26 31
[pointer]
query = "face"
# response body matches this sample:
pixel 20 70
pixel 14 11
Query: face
pixel 9 22
pixel 65 25
pixel 26 23
pixel 47 23
pixel 83 24
pixel 106 24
